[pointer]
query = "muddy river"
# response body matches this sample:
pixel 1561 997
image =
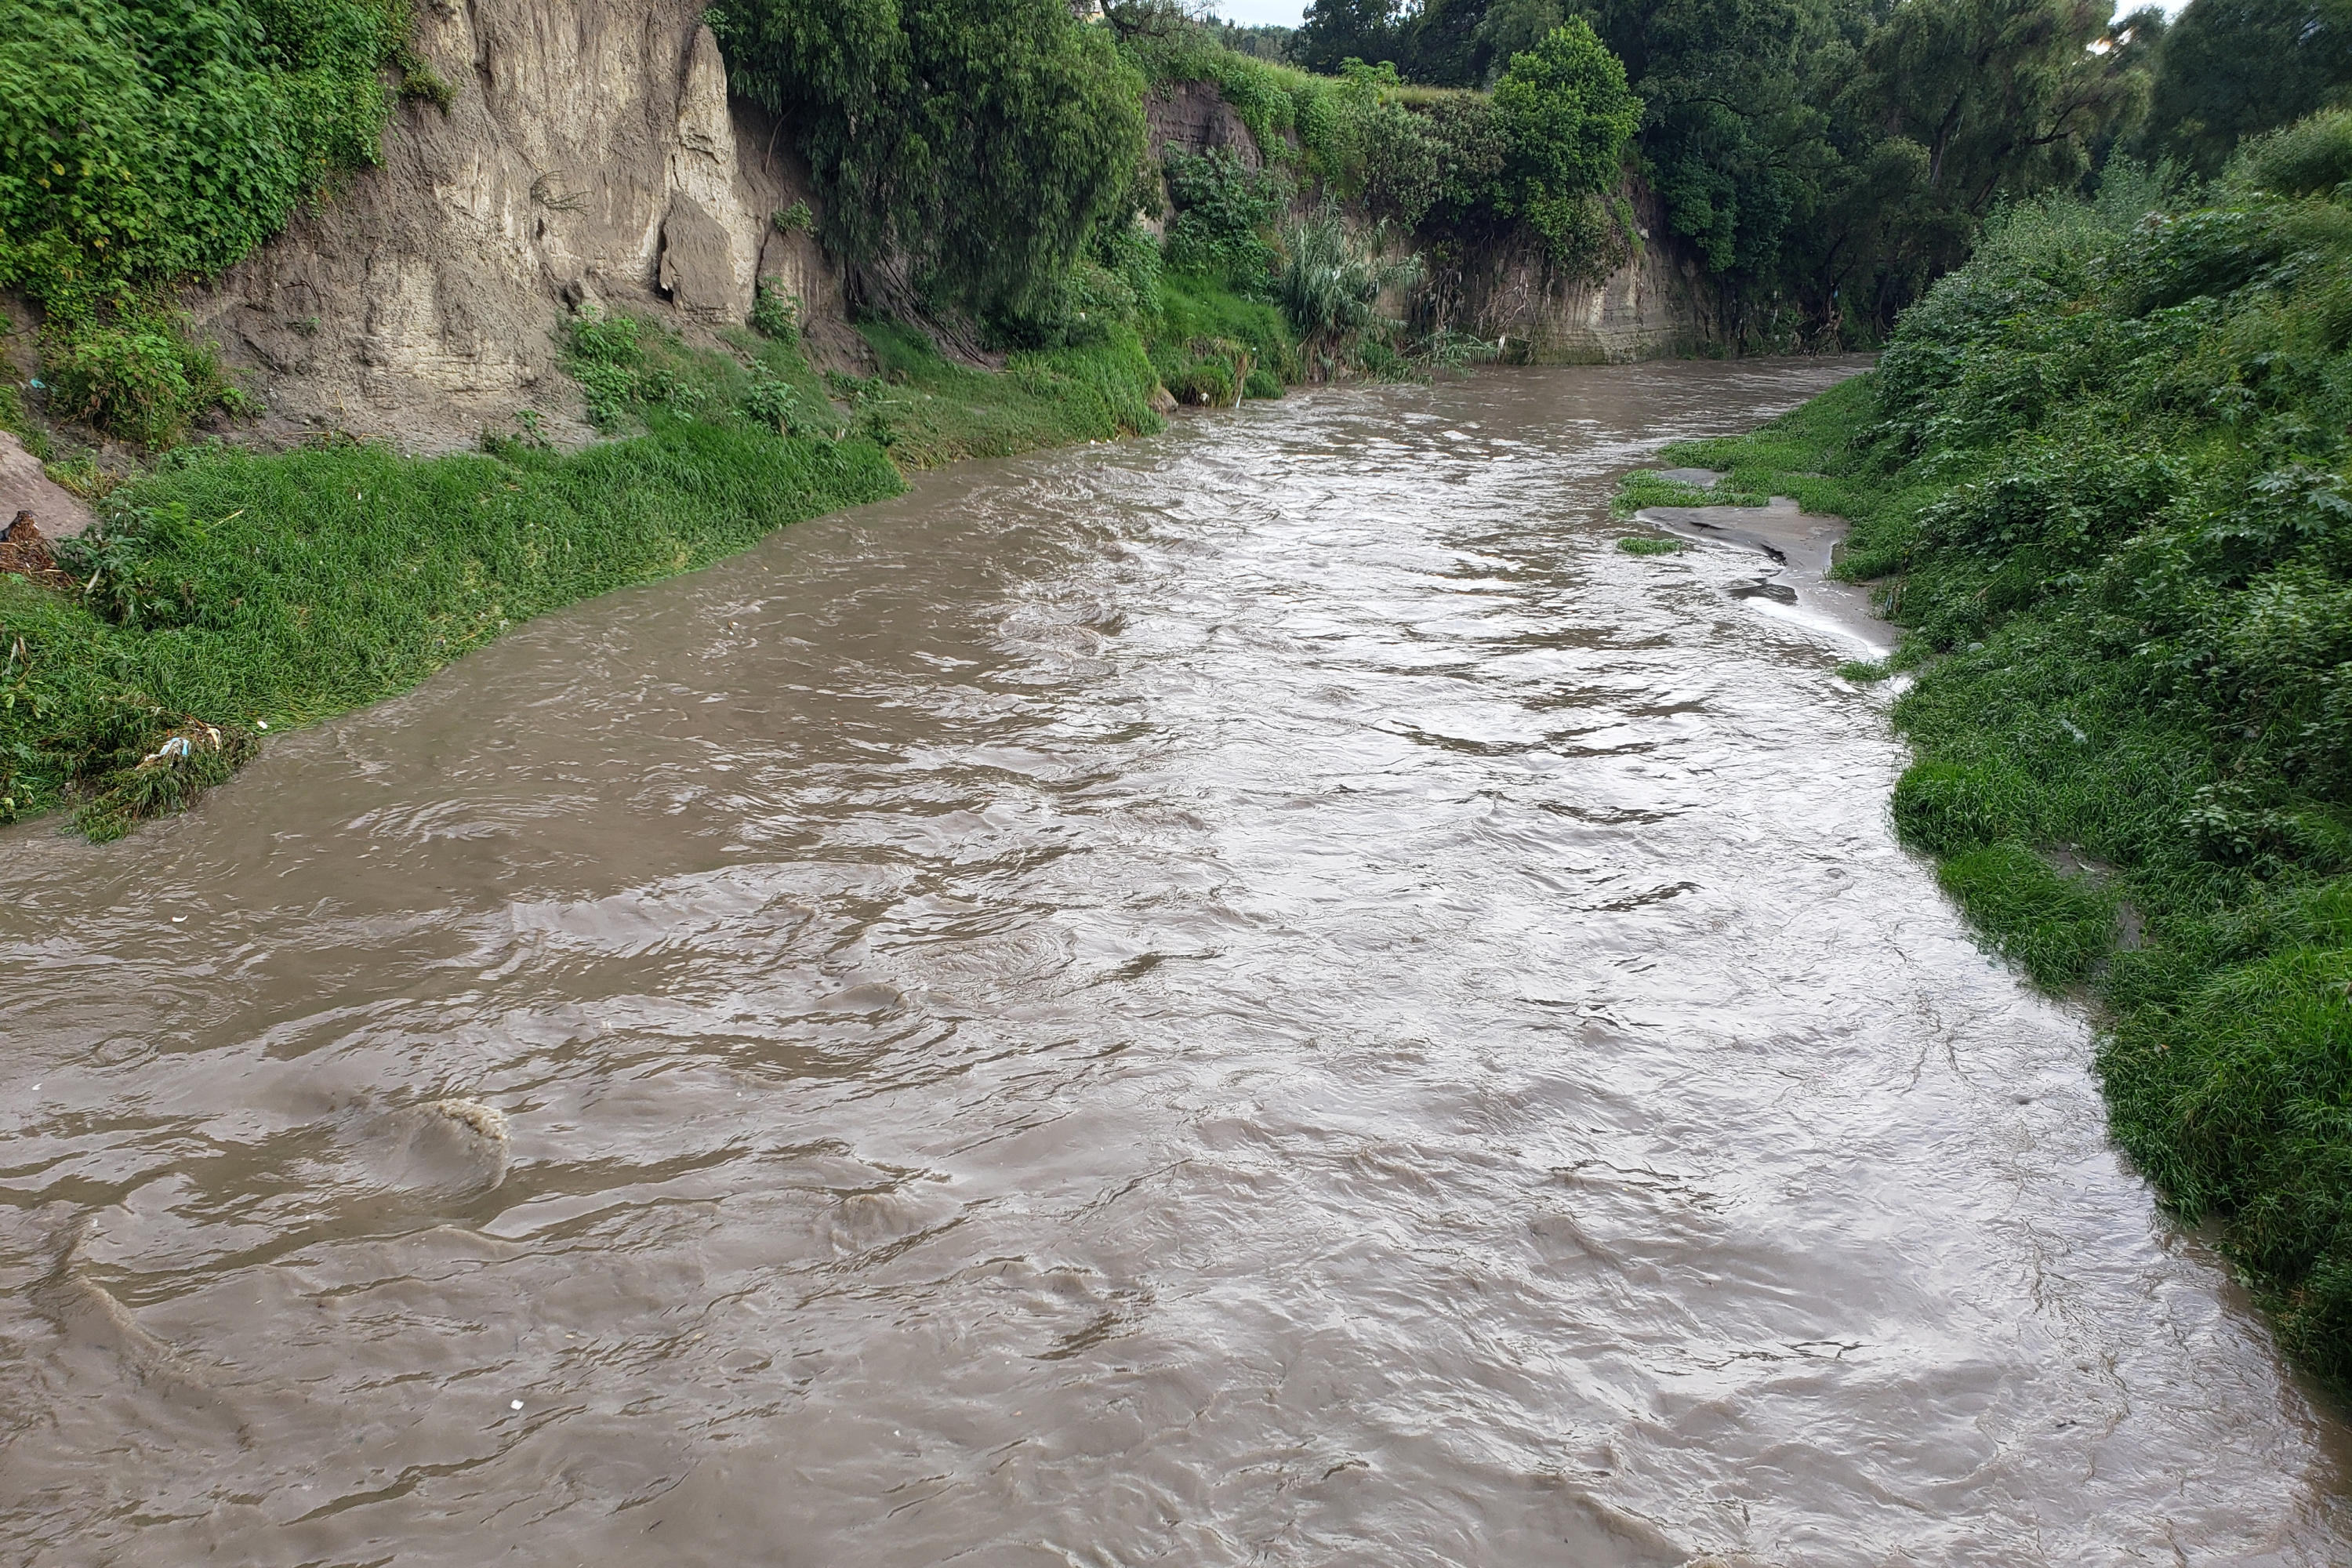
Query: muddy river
pixel 1263 995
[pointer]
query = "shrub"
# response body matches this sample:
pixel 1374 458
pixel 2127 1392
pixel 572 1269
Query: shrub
pixel 1565 115
pixel 775 313
pixel 604 356
pixel 1222 212
pixel 1331 280
pixel 983 139
pixel 778 404
pixel 139 374
pixel 2310 157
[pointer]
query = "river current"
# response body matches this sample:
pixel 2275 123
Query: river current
pixel 1260 995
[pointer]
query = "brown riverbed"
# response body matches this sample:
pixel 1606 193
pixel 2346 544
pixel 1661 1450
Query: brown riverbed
pixel 1263 995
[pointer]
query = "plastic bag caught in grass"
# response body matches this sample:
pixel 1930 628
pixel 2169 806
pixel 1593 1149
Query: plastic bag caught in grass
pixel 189 758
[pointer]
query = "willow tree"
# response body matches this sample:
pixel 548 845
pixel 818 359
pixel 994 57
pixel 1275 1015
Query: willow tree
pixel 2229 69
pixel 966 147
pixel 2007 97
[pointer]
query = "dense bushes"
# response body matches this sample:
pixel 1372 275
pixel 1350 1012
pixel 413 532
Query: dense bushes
pixel 1546 151
pixel 2104 468
pixel 980 141
pixel 148 142
pixel 1224 214
pixel 1829 158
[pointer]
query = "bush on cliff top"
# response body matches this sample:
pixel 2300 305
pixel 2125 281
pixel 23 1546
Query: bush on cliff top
pixel 146 144
pixel 981 140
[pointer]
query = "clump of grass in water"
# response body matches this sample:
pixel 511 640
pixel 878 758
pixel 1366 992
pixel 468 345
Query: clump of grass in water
pixel 1649 545
pixel 1647 487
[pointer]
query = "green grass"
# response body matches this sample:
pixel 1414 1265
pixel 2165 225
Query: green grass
pixel 1811 456
pixel 2054 926
pixel 231 593
pixel 1649 545
pixel 2101 478
pixel 1205 329
pixel 1647 487
pixel 264 591
pixel 928 411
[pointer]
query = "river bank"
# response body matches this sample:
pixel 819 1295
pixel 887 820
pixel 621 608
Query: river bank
pixel 2097 479
pixel 1267 974
pixel 229 592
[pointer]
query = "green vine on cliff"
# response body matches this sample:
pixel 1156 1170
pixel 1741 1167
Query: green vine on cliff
pixel 964 149
pixel 150 143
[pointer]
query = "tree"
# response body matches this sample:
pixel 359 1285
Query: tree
pixel 2229 69
pixel 918 117
pixel 1338 31
pixel 1565 114
pixel 2007 96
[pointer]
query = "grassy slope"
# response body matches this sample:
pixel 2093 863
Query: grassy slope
pixel 242 591
pixel 930 411
pixel 2100 478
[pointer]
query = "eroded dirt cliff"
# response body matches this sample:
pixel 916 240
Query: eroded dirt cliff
pixel 590 152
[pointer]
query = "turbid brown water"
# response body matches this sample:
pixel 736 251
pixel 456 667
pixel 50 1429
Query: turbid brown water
pixel 1263 995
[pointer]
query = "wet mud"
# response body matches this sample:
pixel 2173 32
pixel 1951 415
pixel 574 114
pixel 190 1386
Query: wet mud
pixel 1264 996
pixel 1801 547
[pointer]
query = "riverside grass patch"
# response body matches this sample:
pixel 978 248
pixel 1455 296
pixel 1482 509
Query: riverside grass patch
pixel 230 592
pixel 928 411
pixel 2101 477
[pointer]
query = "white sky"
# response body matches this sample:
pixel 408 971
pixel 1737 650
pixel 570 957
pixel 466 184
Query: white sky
pixel 1288 12
pixel 1252 12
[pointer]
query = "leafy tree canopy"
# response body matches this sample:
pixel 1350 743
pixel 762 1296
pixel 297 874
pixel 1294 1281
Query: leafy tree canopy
pixel 2229 69
pixel 971 144
pixel 1566 114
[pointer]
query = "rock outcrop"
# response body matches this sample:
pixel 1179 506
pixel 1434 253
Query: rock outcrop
pixel 1651 306
pixel 590 152
pixel 1195 117
pixel 25 487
